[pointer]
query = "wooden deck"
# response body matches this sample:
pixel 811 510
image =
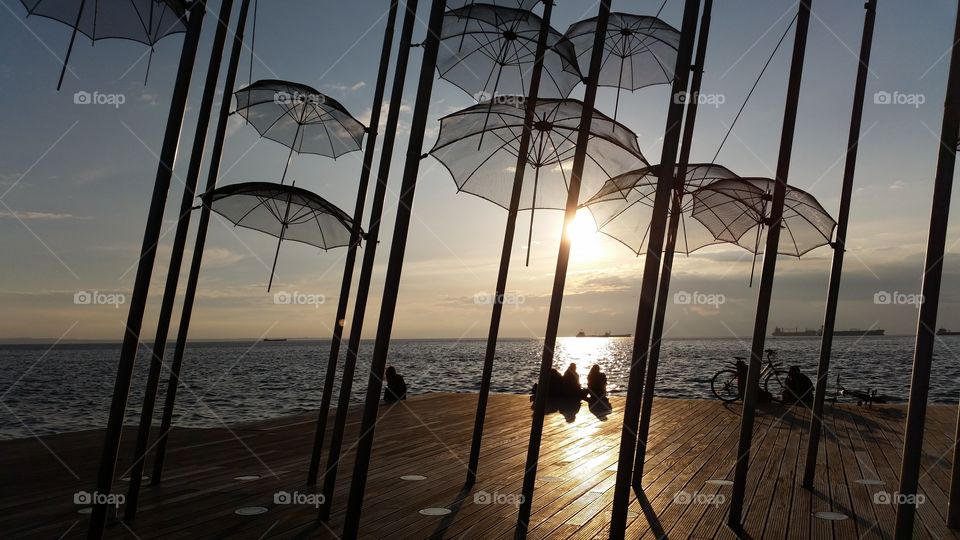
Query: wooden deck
pixel 692 446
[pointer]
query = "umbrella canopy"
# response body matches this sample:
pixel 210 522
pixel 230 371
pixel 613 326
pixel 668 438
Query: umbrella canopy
pixel 480 146
pixel 488 51
pixel 623 207
pixel 638 51
pixel 517 4
pixel 144 21
pixel 300 118
pixel 738 210
pixel 285 212
pixel 481 155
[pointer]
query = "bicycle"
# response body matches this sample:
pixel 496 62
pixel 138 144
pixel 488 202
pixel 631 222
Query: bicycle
pixel 725 385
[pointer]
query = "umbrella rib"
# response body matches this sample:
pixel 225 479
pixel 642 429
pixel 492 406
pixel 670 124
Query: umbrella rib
pixel 484 161
pixel 345 128
pixel 262 201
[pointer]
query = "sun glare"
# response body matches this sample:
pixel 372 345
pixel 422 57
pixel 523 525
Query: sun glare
pixel 582 232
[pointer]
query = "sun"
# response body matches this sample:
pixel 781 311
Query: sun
pixel 582 233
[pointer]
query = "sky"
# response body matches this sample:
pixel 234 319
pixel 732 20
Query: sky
pixel 76 180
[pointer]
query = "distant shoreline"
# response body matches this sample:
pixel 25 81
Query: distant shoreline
pixel 53 341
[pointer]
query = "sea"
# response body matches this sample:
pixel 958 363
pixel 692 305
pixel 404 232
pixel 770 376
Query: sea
pixel 55 389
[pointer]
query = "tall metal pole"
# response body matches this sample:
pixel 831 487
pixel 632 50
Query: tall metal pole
pixel 508 233
pixel 148 252
pixel 560 277
pixel 388 307
pixel 666 183
pixel 176 258
pixel 663 292
pixel 927 320
pixel 369 258
pixel 839 246
pixel 189 295
pixel 351 259
pixel 765 292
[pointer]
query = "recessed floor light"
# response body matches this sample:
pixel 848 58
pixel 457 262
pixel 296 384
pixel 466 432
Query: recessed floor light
pixel 719 482
pixel 831 516
pixel 871 481
pixel 247 477
pixel 435 511
pixel 127 478
pixel 85 510
pixel 250 511
pixel 413 477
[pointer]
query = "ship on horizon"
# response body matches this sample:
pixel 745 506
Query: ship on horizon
pixel 605 334
pixel 807 332
pixel 947 332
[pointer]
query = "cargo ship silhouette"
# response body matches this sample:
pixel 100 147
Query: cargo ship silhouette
pixel 605 334
pixel 795 332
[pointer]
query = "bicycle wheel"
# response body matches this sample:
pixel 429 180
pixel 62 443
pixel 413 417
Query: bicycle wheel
pixel 775 388
pixel 724 385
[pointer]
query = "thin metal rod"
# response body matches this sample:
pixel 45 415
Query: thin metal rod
pixel 927 319
pixel 290 154
pixel 176 259
pixel 148 252
pixel 533 209
pixel 663 291
pixel 73 37
pixel 283 228
pixel 508 237
pixel 351 257
pixel 839 245
pixel 369 257
pixel 391 288
pixel 666 183
pixel 189 295
pixel 560 277
pixel 768 269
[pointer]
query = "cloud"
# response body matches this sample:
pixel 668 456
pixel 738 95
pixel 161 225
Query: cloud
pixel 344 88
pixel 37 216
pixel 899 184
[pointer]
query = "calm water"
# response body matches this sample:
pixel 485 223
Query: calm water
pixel 68 388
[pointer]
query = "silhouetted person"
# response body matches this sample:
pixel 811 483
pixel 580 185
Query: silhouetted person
pixel 571 384
pixel 797 388
pixel 396 389
pixel 555 390
pixel 597 383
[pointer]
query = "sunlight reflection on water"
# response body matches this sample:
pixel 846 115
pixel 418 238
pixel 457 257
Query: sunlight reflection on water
pixel 70 387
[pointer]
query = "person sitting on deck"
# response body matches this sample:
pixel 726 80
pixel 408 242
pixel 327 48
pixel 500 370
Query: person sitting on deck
pixel 396 387
pixel 797 388
pixel 571 384
pixel 554 391
pixel 597 383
